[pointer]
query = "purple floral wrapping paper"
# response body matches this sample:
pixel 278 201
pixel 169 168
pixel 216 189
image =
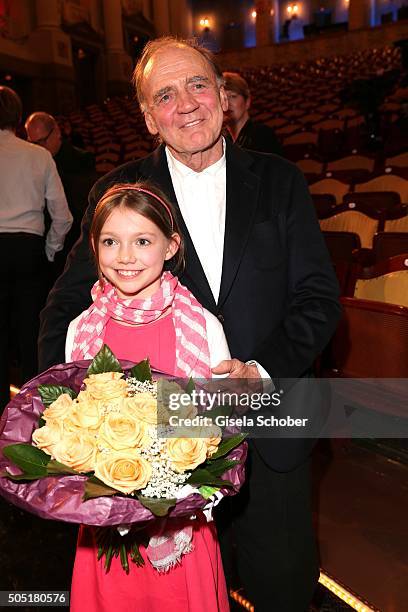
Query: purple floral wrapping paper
pixel 60 497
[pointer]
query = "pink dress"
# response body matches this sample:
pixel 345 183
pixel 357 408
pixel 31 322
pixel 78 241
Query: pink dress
pixel 197 584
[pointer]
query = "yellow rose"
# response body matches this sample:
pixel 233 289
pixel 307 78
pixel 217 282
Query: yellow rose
pixel 77 450
pixel 169 395
pixel 58 409
pixel 70 425
pixel 186 412
pixel 142 406
pixel 106 386
pixel 210 434
pixel 121 431
pixel 47 436
pixel 86 414
pixel 186 453
pixel 212 437
pixel 123 470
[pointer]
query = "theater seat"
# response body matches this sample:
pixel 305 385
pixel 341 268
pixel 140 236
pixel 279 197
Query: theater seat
pixel 370 348
pixel 351 169
pixel 371 341
pixel 386 182
pixel 397 225
pixel 386 281
pixel 337 188
pixel 374 201
pixel 389 244
pixel 352 221
pixel 311 168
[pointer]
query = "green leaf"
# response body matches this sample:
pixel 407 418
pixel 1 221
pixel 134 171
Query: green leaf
pixel 55 467
pixel 227 445
pixel 96 488
pixel 108 557
pixel 104 361
pixel 135 555
pixel 157 506
pixel 141 371
pixel 110 544
pixel 124 558
pixel 41 422
pixel 207 491
pixel 30 459
pixel 49 393
pixel 204 477
pixel 219 467
pixel 224 411
pixel 190 386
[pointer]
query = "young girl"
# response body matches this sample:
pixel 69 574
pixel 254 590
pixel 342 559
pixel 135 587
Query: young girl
pixel 140 311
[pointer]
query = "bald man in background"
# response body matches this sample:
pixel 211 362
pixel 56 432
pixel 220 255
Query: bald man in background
pixel 76 168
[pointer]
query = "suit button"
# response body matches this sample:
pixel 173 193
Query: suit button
pixel 220 318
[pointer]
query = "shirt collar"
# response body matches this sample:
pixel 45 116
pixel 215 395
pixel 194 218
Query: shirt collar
pixel 184 171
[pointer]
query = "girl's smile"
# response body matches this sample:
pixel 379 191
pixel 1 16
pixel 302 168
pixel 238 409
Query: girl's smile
pixel 132 251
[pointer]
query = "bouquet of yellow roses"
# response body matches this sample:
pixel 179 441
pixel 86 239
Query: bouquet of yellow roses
pixel 91 443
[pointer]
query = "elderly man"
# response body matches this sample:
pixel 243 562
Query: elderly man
pixel 75 166
pixel 256 258
pixel 243 130
pixel 28 179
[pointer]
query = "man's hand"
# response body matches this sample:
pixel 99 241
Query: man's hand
pixel 246 377
pixel 236 369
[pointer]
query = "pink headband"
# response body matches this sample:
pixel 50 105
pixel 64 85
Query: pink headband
pixel 141 189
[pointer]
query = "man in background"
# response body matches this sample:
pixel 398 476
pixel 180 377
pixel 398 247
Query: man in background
pixel 28 180
pixel 76 168
pixel 245 132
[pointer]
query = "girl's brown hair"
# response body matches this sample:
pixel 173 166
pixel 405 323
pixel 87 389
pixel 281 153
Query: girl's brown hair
pixel 135 196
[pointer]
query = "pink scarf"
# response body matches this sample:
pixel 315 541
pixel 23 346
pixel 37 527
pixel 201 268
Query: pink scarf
pixel 192 352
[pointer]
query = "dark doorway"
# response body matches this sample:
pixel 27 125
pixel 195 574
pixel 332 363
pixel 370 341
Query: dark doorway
pixel 21 85
pixel 85 61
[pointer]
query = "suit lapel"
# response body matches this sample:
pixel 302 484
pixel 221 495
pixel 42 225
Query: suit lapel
pixel 241 205
pixel 155 168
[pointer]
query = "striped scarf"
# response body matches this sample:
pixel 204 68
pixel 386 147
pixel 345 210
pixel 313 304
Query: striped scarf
pixel 192 352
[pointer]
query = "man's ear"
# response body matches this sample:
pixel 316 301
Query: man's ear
pixel 223 98
pixel 248 102
pixel 150 123
pixel 173 246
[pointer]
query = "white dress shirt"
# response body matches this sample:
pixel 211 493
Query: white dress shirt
pixel 202 198
pixel 29 180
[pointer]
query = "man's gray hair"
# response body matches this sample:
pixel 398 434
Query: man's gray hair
pixel 165 42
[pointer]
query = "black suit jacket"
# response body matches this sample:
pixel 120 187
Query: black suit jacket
pixel 279 295
pixel 77 171
pixel 259 137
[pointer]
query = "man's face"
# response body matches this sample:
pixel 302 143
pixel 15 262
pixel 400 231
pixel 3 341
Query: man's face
pixel 50 139
pixel 237 107
pixel 184 104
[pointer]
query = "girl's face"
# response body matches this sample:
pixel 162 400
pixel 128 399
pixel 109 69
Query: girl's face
pixel 132 251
